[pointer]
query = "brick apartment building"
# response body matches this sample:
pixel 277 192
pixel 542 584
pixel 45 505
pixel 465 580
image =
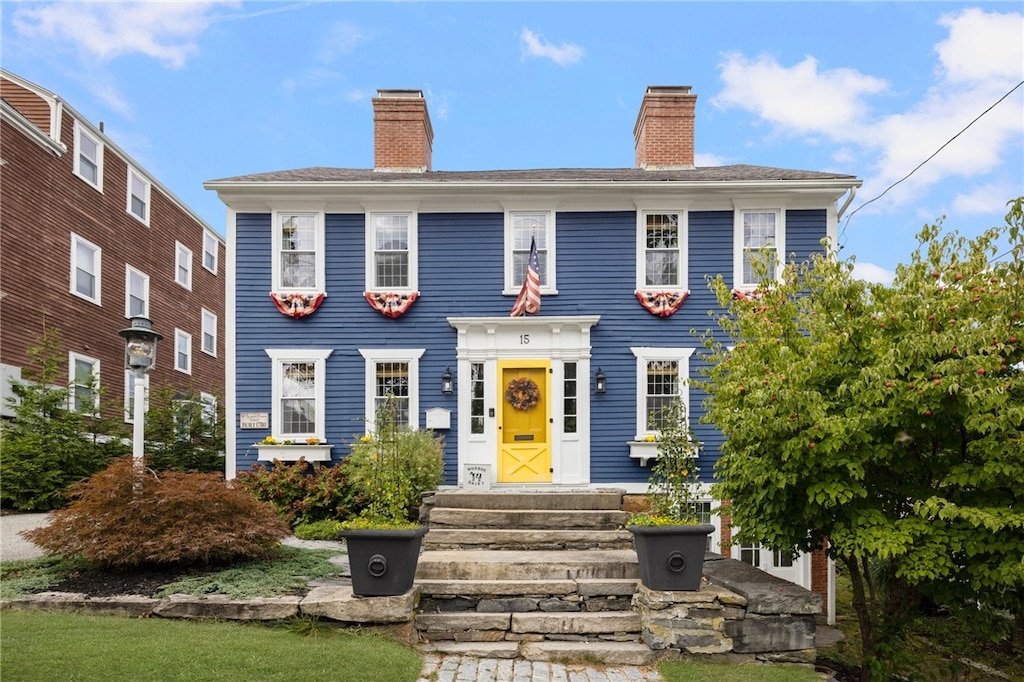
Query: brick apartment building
pixel 88 239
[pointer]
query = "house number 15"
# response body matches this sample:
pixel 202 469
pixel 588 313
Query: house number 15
pixel 524 339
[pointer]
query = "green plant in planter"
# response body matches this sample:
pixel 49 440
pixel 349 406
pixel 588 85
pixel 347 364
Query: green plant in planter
pixel 390 468
pixel 674 479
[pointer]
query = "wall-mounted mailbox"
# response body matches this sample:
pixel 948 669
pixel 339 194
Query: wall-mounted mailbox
pixel 439 418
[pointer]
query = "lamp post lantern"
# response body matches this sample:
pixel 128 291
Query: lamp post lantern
pixel 139 356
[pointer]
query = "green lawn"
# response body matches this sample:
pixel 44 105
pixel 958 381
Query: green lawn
pixel 62 646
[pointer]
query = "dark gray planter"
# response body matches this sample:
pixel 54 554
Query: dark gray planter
pixel 382 562
pixel 671 558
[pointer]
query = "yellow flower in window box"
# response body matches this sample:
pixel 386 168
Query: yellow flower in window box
pixel 269 440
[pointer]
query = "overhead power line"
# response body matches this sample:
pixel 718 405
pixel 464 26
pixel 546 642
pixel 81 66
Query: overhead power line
pixel 846 223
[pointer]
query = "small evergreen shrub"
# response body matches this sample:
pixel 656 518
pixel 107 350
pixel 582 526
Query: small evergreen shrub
pixel 124 518
pixel 47 446
pixel 184 434
pixel 301 494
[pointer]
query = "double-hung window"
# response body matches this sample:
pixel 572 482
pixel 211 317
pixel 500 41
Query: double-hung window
pixel 523 228
pixel 298 389
pixel 136 293
pixel 209 344
pixel 183 265
pixel 759 247
pixel 391 252
pixel 138 195
pixel 298 252
pixel 84 383
pixel 392 382
pixel 182 351
pixel 662 376
pixel 210 245
pixel 85 269
pixel 88 157
pixel 661 251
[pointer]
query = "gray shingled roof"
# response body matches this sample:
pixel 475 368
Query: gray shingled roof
pixel 738 173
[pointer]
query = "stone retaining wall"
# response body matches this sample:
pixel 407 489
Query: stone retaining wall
pixel 740 610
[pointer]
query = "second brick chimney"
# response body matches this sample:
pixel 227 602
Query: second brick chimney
pixel 402 134
pixel 664 128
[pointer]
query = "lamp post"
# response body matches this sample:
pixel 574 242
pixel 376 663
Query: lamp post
pixel 139 356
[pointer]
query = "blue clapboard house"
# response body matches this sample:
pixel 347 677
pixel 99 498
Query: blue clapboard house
pixel 350 285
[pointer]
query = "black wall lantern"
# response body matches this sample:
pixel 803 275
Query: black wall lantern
pixel 447 383
pixel 600 383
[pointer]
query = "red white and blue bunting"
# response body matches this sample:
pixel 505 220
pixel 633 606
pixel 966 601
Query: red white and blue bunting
pixel 390 304
pixel 297 305
pixel 662 303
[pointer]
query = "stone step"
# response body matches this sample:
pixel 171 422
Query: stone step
pixel 586 587
pixel 535 539
pixel 604 653
pixel 607 499
pixel 472 517
pixel 527 565
pixel 509 626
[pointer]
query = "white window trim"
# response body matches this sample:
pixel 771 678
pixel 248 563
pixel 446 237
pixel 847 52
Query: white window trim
pixel 182 252
pixel 129 394
pixel 148 187
pixel 737 249
pixel 210 239
pixel 98 263
pixel 206 315
pixel 643 355
pixel 512 288
pixel 318 356
pixel 128 272
pixel 370 242
pixel 73 357
pixel 320 259
pixel 81 130
pixel 375 355
pixel 180 336
pixel 641 249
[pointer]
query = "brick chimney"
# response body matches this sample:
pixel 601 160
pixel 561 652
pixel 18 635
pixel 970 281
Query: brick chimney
pixel 402 134
pixel 664 128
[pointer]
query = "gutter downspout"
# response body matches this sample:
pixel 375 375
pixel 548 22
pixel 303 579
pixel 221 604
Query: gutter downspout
pixel 846 204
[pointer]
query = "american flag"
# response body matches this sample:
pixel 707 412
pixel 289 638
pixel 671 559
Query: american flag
pixel 528 300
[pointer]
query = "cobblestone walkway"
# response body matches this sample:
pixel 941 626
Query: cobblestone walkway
pixel 470 669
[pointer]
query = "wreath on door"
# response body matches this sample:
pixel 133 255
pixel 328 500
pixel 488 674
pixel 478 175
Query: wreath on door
pixel 522 394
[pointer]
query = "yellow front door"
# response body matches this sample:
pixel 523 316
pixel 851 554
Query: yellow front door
pixel 524 422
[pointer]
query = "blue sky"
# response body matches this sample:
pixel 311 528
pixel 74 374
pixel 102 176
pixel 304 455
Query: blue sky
pixel 195 91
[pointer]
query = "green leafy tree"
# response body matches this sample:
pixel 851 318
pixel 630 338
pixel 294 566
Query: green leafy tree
pixel 885 424
pixel 184 433
pixel 47 446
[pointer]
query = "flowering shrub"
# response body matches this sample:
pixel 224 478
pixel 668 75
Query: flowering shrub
pixel 674 483
pixel 390 468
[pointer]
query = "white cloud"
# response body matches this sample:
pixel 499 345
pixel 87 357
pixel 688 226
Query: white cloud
pixel 165 31
pixel 985 199
pixel 342 38
pixel 534 45
pixel 981 59
pixel 869 272
pixel 982 46
pixel 708 160
pixel 798 99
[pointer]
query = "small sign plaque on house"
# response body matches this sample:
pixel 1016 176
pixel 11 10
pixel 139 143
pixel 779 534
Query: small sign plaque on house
pixel 476 476
pixel 254 420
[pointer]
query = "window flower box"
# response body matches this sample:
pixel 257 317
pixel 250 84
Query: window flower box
pixel 291 452
pixel 644 450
